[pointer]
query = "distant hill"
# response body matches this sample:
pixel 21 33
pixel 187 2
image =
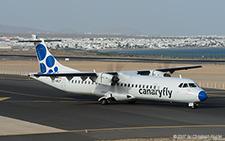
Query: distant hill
pixel 123 31
pixel 67 31
pixel 113 31
pixel 18 29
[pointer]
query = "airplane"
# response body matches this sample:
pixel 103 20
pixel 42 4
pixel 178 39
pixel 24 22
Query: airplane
pixel 129 86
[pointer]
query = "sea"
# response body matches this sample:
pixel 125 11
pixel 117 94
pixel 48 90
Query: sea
pixel 217 53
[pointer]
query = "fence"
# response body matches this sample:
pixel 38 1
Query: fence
pixel 215 85
pixel 14 72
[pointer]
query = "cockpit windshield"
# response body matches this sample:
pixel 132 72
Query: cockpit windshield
pixel 192 85
pixel 186 85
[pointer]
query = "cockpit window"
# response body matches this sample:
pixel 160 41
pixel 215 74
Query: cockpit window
pixel 192 85
pixel 181 84
pixel 185 85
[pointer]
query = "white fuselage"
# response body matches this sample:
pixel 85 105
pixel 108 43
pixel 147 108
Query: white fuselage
pixel 139 87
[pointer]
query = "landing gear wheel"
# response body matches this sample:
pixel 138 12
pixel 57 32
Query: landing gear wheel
pixel 108 101
pixel 104 101
pixel 195 105
pixel 192 105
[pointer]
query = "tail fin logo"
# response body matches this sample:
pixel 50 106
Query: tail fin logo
pixel 41 52
pixel 46 60
pixel 50 61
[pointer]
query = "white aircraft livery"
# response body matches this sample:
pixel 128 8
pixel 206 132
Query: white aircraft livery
pixel 127 86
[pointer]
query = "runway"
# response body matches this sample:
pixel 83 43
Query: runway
pixel 51 114
pixel 123 59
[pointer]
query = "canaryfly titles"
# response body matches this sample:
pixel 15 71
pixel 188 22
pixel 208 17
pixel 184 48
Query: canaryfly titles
pixel 164 92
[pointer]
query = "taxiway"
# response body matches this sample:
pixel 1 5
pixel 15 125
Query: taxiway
pixel 51 114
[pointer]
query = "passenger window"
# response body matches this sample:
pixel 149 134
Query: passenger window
pixel 180 85
pixel 136 86
pixel 121 84
pixel 143 86
pixel 128 85
pixel 185 85
pixel 132 85
pixel 150 86
pixel 146 86
pixel 125 85
pixel 139 86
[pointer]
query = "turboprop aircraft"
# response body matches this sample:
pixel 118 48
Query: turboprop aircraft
pixel 111 86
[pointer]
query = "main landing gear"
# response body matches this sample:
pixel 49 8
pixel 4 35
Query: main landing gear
pixel 192 105
pixel 105 101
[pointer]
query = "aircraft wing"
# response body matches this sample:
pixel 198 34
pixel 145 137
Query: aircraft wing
pixel 114 75
pixel 171 70
pixel 142 72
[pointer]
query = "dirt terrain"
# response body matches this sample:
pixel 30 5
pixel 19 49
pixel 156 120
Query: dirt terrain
pixel 210 75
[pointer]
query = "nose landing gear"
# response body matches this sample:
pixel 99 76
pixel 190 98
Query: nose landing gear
pixel 192 105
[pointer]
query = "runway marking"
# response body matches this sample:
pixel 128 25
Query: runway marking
pixel 1 78
pixel 148 127
pixel 4 98
pixel 122 128
pixel 32 95
pixel 46 101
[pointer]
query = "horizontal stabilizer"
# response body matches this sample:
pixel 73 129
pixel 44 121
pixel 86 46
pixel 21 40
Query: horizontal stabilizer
pixel 67 74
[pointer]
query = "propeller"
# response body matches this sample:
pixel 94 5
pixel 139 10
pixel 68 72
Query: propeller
pixel 166 65
pixel 114 68
pixel 115 79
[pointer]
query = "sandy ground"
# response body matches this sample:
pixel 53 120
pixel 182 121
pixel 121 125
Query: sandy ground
pixel 210 75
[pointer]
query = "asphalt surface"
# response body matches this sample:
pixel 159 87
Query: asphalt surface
pixel 83 118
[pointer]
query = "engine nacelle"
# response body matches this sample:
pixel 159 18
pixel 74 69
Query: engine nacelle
pixel 107 79
pixel 159 73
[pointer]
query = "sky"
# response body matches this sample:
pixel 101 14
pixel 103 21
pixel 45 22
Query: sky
pixel 150 17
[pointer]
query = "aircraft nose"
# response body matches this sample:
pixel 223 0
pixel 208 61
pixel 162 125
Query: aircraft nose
pixel 202 96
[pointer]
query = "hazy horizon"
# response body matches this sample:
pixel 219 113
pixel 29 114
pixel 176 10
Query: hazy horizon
pixel 149 17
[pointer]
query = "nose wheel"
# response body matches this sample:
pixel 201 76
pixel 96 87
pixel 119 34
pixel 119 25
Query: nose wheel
pixel 192 105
